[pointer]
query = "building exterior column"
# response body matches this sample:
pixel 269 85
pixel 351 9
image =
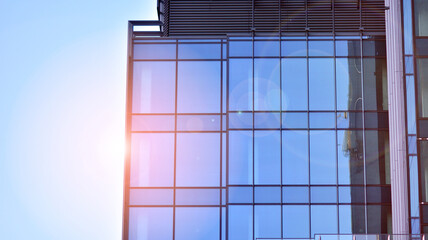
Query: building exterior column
pixel 397 124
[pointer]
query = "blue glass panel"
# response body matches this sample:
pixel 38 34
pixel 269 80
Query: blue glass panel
pixel 266 48
pixel 240 157
pixel 351 219
pixel 152 160
pixel 240 49
pixel 348 84
pixel 266 84
pixel 414 186
pixel 151 196
pixel 153 123
pixel 294 120
pixel 321 48
pixel 224 86
pixel 198 123
pixel 321 84
pixel 295 194
pixel 350 157
pixel 199 51
pixel 197 223
pixel 349 120
pixel 241 120
pixel 267 120
pixel 408 64
pixel 377 157
pixel 375 84
pixel 153 89
pixel 407 27
pixel 206 78
pixel 323 157
pixel 350 48
pixel 411 105
pixel 322 120
pixel 267 222
pixel 240 222
pixel 224 158
pixel 267 159
pixel 296 221
pixel 240 84
pixel 294 84
pixel 293 48
pixel 421 17
pixel 240 194
pixel 323 219
pixel 150 223
pixel 353 194
pixel 323 194
pixel 154 51
pixel 197 197
pixel 268 194
pixel 295 157
pixel 198 159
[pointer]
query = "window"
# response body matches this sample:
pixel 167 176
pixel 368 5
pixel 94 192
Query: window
pixel 321 84
pixel 192 223
pixel 294 84
pixel 150 223
pixel 267 159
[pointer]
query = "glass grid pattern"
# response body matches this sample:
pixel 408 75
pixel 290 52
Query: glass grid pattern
pixel 259 138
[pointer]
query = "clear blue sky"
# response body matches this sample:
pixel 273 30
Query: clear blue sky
pixel 62 111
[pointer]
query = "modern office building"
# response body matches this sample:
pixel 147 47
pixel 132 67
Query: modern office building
pixel 278 119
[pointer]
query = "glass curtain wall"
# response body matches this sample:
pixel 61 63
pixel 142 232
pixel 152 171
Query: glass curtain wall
pixel 264 137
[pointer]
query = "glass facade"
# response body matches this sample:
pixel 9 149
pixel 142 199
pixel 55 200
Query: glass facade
pixel 250 137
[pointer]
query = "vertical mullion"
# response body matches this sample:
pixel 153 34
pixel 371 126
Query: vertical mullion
pixel 335 127
pixel 309 132
pixel 175 137
pixel 227 139
pixel 253 114
pixel 221 139
pixel 280 130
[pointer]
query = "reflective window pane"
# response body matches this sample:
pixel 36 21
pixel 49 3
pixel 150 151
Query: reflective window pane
pixel 422 64
pixel 323 219
pixel 267 120
pixel 323 194
pixel 240 222
pixel 350 157
pixel 241 120
pixel 294 120
pixel 423 146
pixel 240 157
pixel 349 48
pixel 150 223
pixel 203 76
pixel 375 84
pixel 151 196
pixel 379 219
pixel 376 120
pixel 153 123
pixel 295 194
pixel 322 120
pixel 321 84
pixel 197 197
pixel 377 157
pixel 199 51
pixel 351 219
pixel 266 48
pixel 268 194
pixel 354 194
pixel 349 120
pixel 323 157
pixel 154 51
pixel 374 48
pixel 378 194
pixel 240 84
pixel 153 89
pixel 267 222
pixel 293 48
pixel 348 84
pixel 421 18
pixel 197 223
pixel 240 49
pixel 321 48
pixel 152 160
pixel 240 194
pixel 267 157
pixel 266 84
pixel 296 221
pixel 198 159
pixel 295 157
pixel 294 84
pixel 198 123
